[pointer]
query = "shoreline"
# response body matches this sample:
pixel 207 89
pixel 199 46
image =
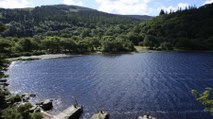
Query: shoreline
pixel 61 55
pixel 45 56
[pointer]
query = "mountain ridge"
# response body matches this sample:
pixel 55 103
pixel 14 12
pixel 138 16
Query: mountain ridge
pixel 139 17
pixel 51 20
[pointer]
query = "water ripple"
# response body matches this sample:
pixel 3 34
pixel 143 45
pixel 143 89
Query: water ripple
pixel 129 85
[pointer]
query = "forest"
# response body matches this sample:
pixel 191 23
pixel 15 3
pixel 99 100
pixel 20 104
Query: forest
pixel 67 29
pixel 188 29
pixel 73 29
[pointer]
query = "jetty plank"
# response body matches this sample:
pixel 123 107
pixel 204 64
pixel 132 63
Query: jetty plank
pixel 73 112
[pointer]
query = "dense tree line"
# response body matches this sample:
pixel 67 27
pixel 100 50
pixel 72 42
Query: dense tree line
pixel 35 46
pixel 189 29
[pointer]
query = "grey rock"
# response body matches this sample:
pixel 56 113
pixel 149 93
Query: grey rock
pixel 100 115
pixel 47 104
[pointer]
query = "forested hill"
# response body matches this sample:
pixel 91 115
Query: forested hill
pixel 63 20
pixel 189 29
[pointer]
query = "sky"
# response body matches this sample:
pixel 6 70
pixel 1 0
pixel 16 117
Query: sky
pixel 125 7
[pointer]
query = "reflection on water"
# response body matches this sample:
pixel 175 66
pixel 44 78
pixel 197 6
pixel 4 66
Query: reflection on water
pixel 128 85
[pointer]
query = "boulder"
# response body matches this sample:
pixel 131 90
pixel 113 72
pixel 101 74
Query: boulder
pixel 3 80
pixel 100 115
pixel 26 96
pixel 32 95
pixel 34 109
pixel 146 116
pixel 47 104
pixel 4 84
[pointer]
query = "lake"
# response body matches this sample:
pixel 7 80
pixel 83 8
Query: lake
pixel 125 85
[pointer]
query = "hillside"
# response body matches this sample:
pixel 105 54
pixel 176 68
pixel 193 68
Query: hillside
pixel 189 29
pixel 63 20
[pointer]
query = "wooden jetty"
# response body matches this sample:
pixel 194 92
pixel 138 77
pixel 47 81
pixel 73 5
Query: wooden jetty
pixel 72 112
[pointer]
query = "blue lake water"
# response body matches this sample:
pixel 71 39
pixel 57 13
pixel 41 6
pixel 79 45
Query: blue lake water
pixel 127 85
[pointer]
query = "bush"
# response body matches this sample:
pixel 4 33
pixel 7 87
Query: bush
pixel 205 99
pixel 151 42
pixel 14 99
pixel 36 115
pixel 166 46
pixel 11 113
pixel 116 44
pixel 20 112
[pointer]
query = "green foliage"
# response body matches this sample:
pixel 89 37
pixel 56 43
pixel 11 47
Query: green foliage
pixel 67 29
pixel 69 45
pixel 116 44
pixel 2 27
pixel 36 115
pixel 64 21
pixel 8 107
pixel 183 43
pixel 205 99
pixel 135 38
pixel 52 44
pixel 11 113
pixel 14 99
pixel 166 46
pixel 37 46
pixel 26 45
pixel 78 29
pixel 3 103
pixel 151 42
pixel 5 47
pixel 3 66
pixel 188 29
pixel 20 112
pixel 23 109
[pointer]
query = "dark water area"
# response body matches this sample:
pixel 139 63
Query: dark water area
pixel 126 86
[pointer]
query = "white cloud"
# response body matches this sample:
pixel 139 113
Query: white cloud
pixel 174 8
pixel 124 6
pixel 208 2
pixel 14 3
pixel 73 2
